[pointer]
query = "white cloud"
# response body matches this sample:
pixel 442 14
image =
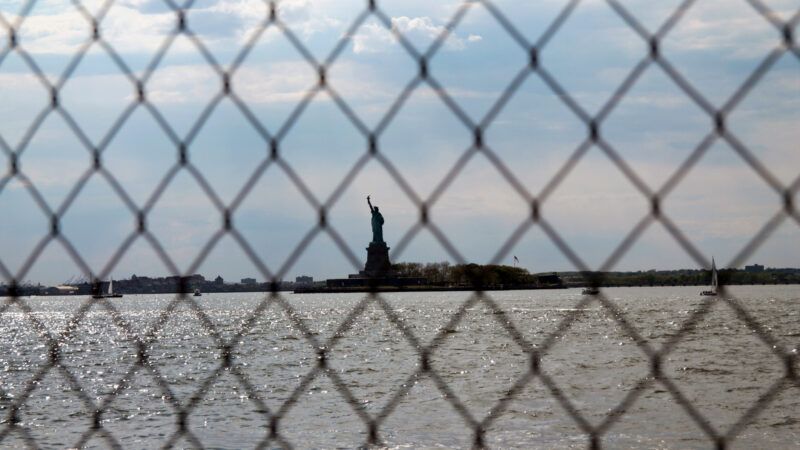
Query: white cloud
pixel 60 33
pixel 423 25
pixel 731 29
pixel 131 29
pixel 279 82
pixel 308 18
pixel 373 37
pixel 182 84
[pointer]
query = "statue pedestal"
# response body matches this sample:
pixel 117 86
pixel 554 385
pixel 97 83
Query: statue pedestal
pixel 378 265
pixel 377 276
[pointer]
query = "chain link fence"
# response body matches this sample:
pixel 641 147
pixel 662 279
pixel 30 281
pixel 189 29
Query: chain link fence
pixel 718 131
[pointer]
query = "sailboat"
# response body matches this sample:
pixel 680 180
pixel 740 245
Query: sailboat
pixel 109 294
pixel 713 290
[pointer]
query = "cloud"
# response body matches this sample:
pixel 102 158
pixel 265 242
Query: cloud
pixel 279 82
pixel 374 38
pixel 287 81
pixel 64 31
pixel 182 84
pixel 138 26
pixel 308 18
pixel 731 30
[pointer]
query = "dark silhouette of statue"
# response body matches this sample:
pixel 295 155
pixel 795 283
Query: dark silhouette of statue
pixel 378 264
pixel 377 223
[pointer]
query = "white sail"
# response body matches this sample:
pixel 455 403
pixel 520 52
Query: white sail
pixel 713 275
pixel 111 287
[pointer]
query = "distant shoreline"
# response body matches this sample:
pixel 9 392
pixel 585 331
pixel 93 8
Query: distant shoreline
pixel 359 289
pixel 389 289
pixel 483 277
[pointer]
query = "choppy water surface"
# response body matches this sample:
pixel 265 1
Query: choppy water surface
pixel 721 367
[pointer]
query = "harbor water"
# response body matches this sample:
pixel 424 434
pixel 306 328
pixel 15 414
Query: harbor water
pixel 720 367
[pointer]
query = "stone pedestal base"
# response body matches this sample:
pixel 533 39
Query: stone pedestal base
pixel 378 265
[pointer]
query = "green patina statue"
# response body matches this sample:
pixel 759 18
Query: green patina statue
pixel 377 223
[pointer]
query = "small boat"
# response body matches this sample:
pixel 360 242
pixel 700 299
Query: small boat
pixel 713 291
pixel 197 293
pixel 590 291
pixel 109 294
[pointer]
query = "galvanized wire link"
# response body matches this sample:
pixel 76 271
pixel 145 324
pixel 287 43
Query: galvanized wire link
pixel 653 59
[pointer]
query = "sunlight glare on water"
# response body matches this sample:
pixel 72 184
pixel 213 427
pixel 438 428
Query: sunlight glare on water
pixel 720 366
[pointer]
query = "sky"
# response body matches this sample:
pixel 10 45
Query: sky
pixel 719 205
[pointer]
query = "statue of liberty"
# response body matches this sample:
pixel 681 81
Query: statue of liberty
pixel 377 223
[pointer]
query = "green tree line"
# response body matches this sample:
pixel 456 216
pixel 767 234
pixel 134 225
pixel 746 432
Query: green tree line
pixel 445 274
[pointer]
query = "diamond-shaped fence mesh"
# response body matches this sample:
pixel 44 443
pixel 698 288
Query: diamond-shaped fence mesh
pixel 230 360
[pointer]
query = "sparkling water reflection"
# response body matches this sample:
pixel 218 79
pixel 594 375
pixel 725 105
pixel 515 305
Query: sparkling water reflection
pixel 721 367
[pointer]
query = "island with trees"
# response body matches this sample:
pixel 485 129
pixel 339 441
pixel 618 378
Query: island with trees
pixel 440 276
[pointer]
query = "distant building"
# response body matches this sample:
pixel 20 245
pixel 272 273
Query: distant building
pixel 549 280
pixel 754 268
pixel 219 280
pixel 248 281
pixel 304 280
